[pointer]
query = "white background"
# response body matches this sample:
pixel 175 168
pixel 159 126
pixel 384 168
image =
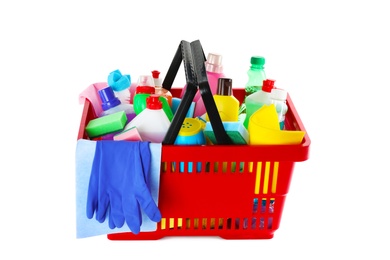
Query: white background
pixel 332 56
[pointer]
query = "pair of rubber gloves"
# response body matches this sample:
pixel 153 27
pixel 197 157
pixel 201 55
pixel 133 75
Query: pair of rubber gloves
pixel 118 186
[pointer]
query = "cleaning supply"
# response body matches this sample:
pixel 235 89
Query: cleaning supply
pixel 226 103
pixel 111 104
pixel 256 100
pixel 159 90
pixel 85 227
pixel 106 124
pixel 91 93
pixel 152 123
pixel 121 85
pixel 256 75
pixel 118 186
pixel 214 71
pixel 278 97
pixel 191 133
pixel 235 130
pixel 144 89
pixel 130 134
pixel 264 129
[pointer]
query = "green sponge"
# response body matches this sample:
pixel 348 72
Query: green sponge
pixel 106 124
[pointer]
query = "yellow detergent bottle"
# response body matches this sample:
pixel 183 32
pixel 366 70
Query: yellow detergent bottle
pixel 227 104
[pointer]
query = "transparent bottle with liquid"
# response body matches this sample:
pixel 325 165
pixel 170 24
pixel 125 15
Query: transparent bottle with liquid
pixel 144 89
pixel 279 98
pixel 152 123
pixel 159 90
pixel 257 99
pixel 256 75
pixel 227 105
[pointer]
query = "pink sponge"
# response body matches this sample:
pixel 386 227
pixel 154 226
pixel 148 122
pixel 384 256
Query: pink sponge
pixel 130 134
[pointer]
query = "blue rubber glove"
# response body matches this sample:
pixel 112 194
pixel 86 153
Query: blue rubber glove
pixel 118 184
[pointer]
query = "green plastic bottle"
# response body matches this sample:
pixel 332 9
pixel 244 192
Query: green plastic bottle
pixel 256 75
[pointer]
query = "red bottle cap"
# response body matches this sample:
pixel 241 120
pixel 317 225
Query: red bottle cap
pixel 144 90
pixel 153 102
pixel 268 85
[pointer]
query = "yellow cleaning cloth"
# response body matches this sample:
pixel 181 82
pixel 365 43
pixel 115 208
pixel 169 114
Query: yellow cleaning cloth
pixel 263 128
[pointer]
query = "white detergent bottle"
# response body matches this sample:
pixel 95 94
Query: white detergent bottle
pixel 152 123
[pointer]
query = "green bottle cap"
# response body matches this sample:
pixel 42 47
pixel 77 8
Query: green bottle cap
pixel 257 62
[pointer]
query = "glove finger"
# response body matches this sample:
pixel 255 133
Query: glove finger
pixel 148 205
pixel 116 212
pixel 111 223
pixel 103 205
pixel 92 202
pixel 132 213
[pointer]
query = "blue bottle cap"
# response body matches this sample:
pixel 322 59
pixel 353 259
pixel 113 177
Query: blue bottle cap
pixel 117 81
pixel 109 100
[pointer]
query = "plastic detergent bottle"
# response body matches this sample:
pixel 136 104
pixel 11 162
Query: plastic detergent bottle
pixel 191 133
pixel 214 71
pixel 144 89
pixel 111 104
pixel 227 104
pixel 159 90
pixel 278 98
pixel 152 123
pixel 256 75
pixel 256 100
pixel 121 86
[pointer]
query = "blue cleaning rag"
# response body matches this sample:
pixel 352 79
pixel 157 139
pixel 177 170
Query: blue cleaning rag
pixel 85 227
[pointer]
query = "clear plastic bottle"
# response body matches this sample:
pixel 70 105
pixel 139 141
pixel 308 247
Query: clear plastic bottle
pixel 111 104
pixel 278 97
pixel 159 90
pixel 226 103
pixel 256 75
pixel 121 86
pixel 152 123
pixel 256 100
pixel 214 71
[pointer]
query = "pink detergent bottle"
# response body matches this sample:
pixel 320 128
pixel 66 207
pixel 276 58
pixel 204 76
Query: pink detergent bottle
pixel 214 70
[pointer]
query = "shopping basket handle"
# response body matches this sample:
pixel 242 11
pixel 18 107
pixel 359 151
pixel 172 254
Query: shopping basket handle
pixel 194 60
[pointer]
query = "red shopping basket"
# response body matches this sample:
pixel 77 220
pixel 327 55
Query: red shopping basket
pixel 238 192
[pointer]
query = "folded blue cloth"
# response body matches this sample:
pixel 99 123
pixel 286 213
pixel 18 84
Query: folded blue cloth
pixel 85 152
